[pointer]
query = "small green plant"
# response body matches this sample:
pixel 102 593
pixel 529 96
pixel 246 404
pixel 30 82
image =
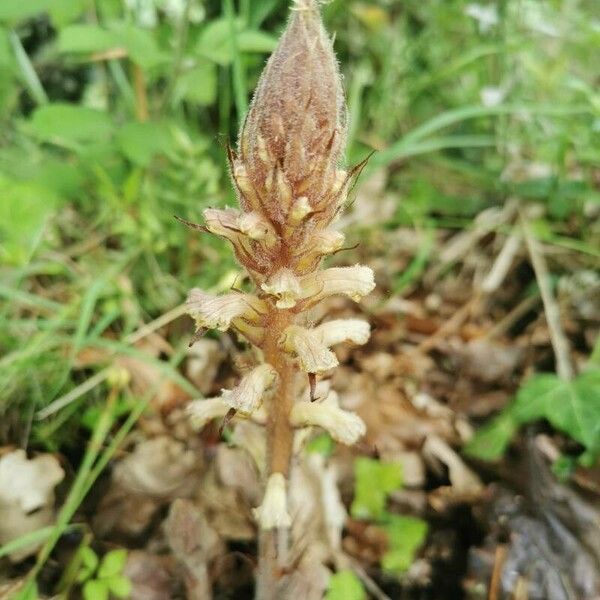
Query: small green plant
pixel 103 578
pixel 374 480
pixel 570 405
pixel 345 585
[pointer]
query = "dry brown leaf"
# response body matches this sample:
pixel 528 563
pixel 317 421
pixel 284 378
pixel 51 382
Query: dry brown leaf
pixel 26 496
pixel 204 359
pixel 160 468
pixel 195 544
pixel 150 576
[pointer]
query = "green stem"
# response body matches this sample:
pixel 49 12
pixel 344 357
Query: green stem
pixel 79 489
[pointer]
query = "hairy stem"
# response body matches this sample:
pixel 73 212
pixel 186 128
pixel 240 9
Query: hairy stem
pixel 279 431
pixel 280 440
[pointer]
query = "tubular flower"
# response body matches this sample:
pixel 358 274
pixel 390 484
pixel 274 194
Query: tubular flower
pixel 285 287
pixel 313 355
pixel 273 513
pixel 257 228
pixel 247 396
pixel 354 282
pixel 343 426
pixel 224 223
pixel 219 312
pixel 202 412
pixel 344 330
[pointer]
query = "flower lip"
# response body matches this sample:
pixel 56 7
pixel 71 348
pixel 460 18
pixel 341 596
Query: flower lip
pixel 355 282
pixel 285 287
pixel 273 512
pixel 344 330
pixel 314 356
pixel 222 222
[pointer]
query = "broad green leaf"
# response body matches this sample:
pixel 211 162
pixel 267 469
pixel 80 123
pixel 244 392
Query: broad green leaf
pixel 374 481
pixel 95 590
pixel 112 563
pixel 141 46
pixel 24 210
pixel 66 11
pixel 345 585
pixel 406 535
pixel 215 44
pixel 69 124
pixel 13 11
pixel 63 178
pixel 89 563
pixel 257 42
pixel 260 11
pixel 491 441
pixel 86 39
pixel 572 406
pixel 141 142
pixel 198 85
pixel 119 586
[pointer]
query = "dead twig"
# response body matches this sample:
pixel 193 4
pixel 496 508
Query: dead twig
pixel 560 343
pixel 499 560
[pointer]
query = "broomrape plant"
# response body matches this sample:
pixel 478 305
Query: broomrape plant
pixel 291 190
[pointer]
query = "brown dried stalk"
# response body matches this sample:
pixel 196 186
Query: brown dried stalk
pixel 290 189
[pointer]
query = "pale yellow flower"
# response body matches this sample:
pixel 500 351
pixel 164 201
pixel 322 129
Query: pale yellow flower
pixel 273 512
pixel 218 312
pixel 285 287
pixel 342 425
pixel 247 396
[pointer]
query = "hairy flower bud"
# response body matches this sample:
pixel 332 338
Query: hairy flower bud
pixel 294 133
